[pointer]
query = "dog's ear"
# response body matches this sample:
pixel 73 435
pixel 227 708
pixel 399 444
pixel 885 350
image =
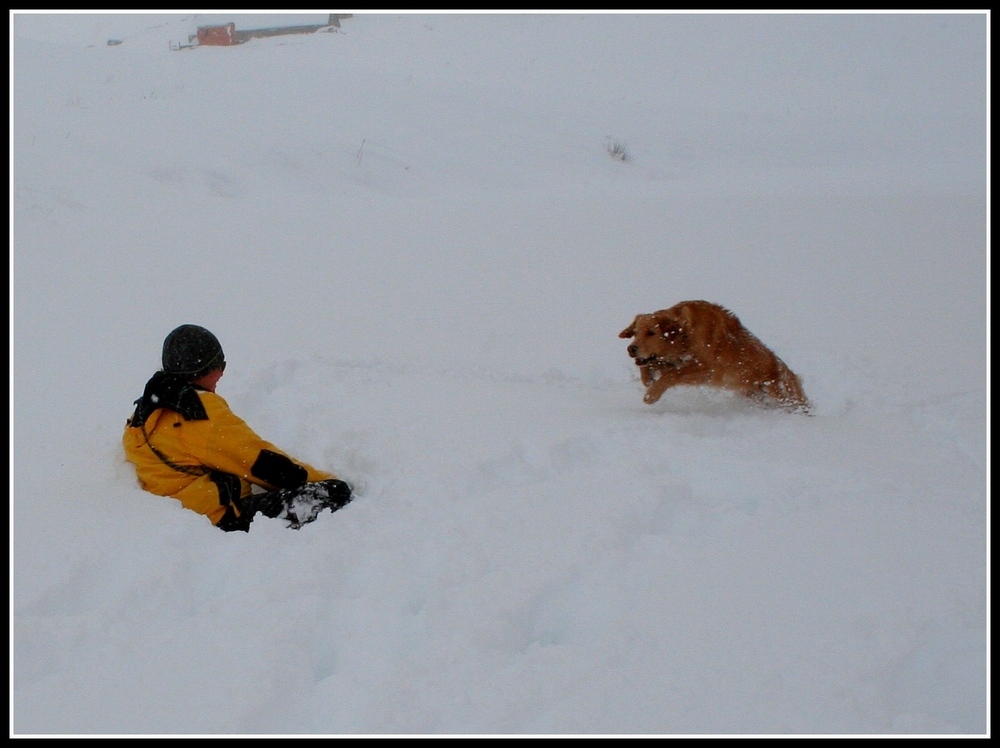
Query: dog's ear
pixel 674 328
pixel 684 318
pixel 628 332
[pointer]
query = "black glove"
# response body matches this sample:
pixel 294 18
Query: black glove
pixel 338 494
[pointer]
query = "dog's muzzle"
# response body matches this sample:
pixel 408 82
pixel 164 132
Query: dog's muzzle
pixel 633 350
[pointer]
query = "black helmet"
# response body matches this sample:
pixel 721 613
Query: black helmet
pixel 192 351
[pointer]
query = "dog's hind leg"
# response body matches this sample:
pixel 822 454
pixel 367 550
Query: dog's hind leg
pixel 785 392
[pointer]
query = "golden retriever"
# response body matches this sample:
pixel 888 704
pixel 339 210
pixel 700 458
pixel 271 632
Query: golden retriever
pixel 703 344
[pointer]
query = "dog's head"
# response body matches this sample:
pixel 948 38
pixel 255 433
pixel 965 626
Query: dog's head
pixel 659 338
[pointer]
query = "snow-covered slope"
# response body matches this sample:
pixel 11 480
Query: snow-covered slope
pixel 417 252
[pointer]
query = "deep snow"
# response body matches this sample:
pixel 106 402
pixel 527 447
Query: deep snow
pixel 417 252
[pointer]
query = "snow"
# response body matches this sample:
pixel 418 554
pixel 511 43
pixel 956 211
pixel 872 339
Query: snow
pixel 417 250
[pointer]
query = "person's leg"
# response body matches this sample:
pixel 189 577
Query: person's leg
pixel 301 505
pixel 233 522
pixel 238 514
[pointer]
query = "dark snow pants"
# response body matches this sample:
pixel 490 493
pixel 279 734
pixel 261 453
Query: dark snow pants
pixel 298 506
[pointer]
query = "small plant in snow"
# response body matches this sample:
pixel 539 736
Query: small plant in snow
pixel 618 150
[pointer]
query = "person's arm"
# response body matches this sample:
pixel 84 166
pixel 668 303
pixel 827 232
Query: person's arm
pixel 233 447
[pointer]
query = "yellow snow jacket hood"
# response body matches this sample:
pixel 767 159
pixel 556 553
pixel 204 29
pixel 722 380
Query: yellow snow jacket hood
pixel 186 443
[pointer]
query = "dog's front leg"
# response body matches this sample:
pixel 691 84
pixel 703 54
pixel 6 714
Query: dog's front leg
pixel 654 391
pixel 667 375
pixel 652 395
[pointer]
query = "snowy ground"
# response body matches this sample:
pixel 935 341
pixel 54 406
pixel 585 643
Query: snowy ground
pixel 417 252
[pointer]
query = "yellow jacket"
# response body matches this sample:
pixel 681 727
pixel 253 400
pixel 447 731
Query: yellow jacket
pixel 199 459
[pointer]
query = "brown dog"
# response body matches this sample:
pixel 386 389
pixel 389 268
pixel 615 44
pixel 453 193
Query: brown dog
pixel 699 343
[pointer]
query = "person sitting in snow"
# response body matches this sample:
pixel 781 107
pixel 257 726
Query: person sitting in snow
pixel 186 443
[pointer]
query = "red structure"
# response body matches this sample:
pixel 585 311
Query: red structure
pixel 217 36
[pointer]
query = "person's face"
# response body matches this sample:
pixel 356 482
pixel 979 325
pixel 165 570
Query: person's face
pixel 210 380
